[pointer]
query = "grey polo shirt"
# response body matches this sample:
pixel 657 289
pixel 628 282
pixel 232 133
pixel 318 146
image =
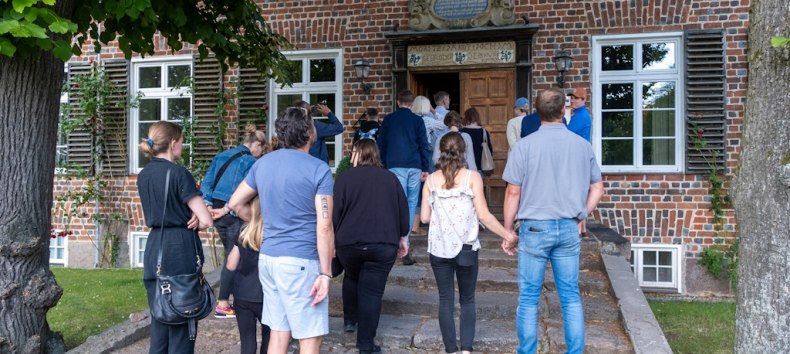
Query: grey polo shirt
pixel 554 168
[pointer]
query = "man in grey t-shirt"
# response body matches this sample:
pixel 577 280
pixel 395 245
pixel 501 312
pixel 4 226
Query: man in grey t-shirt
pixel 553 183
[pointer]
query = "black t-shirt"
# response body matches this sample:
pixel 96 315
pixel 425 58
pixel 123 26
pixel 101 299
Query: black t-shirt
pixel 368 129
pixel 369 207
pixel 477 142
pixel 151 187
pixel 246 285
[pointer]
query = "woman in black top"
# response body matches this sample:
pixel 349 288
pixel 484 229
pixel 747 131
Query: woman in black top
pixel 475 131
pixel 371 218
pixel 247 292
pixel 176 234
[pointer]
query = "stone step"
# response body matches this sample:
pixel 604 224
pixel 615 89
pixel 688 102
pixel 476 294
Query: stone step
pixel 419 334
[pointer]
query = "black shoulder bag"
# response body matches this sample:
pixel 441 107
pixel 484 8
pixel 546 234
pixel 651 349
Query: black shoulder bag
pixel 182 298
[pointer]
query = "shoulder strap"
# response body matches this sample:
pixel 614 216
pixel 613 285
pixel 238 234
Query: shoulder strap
pixel 225 166
pixel 468 177
pixel 162 225
pixel 485 136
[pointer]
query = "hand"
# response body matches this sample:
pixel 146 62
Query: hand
pixel 403 248
pixel 509 247
pixel 423 176
pixel 218 213
pixel 320 289
pixel 324 109
pixel 193 222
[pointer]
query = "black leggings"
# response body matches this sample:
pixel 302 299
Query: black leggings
pixel 247 315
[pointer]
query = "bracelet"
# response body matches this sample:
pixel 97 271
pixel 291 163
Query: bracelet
pixel 328 276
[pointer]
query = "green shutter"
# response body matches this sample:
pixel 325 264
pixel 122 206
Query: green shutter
pixel 705 100
pixel 207 81
pixel 252 99
pixel 116 134
pixel 79 141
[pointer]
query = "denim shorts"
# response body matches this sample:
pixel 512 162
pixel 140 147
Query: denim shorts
pixel 286 283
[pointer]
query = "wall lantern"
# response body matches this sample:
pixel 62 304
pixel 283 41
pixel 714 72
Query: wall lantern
pixel 562 61
pixel 362 68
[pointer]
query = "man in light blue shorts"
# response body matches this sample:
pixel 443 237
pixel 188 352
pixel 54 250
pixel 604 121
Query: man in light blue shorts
pixel 294 266
pixel 553 184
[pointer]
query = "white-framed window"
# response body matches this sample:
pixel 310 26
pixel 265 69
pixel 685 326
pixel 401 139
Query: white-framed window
pixel 137 248
pixel 62 146
pixel 317 78
pixel 637 102
pixel 164 85
pixel 657 266
pixel 58 250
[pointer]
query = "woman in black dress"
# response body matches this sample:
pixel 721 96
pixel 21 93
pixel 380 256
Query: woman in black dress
pixel 478 135
pixel 176 234
pixel 371 218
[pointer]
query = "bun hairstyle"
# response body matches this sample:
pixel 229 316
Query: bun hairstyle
pixel 452 158
pixel 453 119
pixel 160 135
pixel 253 135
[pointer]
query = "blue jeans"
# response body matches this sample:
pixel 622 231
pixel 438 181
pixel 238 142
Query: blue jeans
pixel 409 179
pixel 540 241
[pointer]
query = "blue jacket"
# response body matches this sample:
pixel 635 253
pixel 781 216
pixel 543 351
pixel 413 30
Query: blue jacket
pixel 530 124
pixel 403 142
pixel 231 178
pixel 580 122
pixel 323 131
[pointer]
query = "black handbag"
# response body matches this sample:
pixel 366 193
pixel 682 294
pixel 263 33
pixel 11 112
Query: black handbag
pixel 181 298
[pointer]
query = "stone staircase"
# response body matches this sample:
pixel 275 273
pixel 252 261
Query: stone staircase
pixel 410 306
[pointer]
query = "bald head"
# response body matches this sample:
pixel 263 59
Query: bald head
pixel 550 105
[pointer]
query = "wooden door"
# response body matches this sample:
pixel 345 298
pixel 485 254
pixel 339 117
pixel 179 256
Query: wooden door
pixel 492 92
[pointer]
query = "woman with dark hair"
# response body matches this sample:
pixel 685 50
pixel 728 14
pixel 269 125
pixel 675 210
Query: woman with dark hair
pixel 455 193
pixel 174 211
pixel 368 125
pixel 478 134
pixel 371 219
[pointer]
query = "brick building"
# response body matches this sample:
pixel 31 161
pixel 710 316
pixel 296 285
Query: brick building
pixel 667 80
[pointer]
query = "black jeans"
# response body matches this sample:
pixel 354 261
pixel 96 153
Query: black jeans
pixel 248 315
pixel 229 228
pixel 170 339
pixel 443 271
pixel 366 270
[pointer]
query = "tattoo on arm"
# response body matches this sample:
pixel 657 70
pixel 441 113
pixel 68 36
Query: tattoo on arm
pixel 324 207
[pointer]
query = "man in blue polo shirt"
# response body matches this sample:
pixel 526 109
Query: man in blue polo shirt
pixel 404 148
pixel 580 120
pixel 553 184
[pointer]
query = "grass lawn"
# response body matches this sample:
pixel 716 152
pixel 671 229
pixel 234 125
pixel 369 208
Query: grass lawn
pixel 94 300
pixel 697 327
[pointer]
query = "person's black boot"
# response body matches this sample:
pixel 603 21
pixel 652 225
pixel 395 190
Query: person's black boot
pixel 350 327
pixel 376 350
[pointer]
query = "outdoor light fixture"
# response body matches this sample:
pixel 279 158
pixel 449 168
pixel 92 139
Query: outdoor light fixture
pixel 563 61
pixel 362 68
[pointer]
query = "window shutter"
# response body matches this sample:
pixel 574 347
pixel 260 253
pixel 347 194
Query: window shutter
pixel 117 120
pixel 252 99
pixel 207 80
pixel 705 100
pixel 79 141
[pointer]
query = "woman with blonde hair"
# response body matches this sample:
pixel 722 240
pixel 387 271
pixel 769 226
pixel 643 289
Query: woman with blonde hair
pixel 453 204
pixel 226 171
pixel 434 128
pixel 174 212
pixel 242 263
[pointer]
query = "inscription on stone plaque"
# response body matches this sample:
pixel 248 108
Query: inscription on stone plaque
pixel 461 54
pixel 451 14
pixel 459 9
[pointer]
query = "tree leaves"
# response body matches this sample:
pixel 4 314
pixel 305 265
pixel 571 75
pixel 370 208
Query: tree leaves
pixel 24 29
pixel 777 42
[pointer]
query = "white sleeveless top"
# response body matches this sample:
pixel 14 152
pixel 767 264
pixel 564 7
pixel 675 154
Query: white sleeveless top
pixel 453 220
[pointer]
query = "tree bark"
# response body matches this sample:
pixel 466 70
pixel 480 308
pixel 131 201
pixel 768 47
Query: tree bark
pixel 762 200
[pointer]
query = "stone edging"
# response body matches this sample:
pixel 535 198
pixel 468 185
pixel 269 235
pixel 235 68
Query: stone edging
pixel 638 319
pixel 137 327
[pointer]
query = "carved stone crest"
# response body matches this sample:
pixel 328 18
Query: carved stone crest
pixel 453 14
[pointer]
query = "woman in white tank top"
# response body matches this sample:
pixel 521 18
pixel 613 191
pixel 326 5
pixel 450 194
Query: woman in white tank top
pixel 453 203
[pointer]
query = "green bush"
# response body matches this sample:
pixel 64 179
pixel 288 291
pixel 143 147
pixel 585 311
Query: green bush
pixel 721 261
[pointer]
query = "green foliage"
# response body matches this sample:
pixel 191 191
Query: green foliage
pixel 719 199
pixel 95 300
pixel 778 42
pixel 721 261
pixel 697 327
pixel 28 26
pixel 344 165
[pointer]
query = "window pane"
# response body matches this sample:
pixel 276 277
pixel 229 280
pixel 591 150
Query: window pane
pixel 143 160
pixel 649 257
pixel 322 70
pixel 150 77
pixel 658 152
pixel 649 274
pixel 665 258
pixel 658 56
pixel 323 98
pixel 178 108
pixel 658 123
pixel 60 253
pixel 150 109
pixel 330 148
pixel 178 76
pixel 295 71
pixel 285 101
pixel 618 152
pixel 618 124
pixel 665 275
pixel 618 96
pixel 659 94
pixel 617 57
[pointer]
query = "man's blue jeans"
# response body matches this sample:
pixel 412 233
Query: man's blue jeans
pixel 540 241
pixel 410 181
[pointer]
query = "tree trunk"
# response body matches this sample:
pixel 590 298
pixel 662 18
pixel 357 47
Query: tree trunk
pixel 762 199
pixel 29 102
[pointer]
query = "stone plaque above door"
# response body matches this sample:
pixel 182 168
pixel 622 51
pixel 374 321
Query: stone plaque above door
pixel 453 14
pixel 461 54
